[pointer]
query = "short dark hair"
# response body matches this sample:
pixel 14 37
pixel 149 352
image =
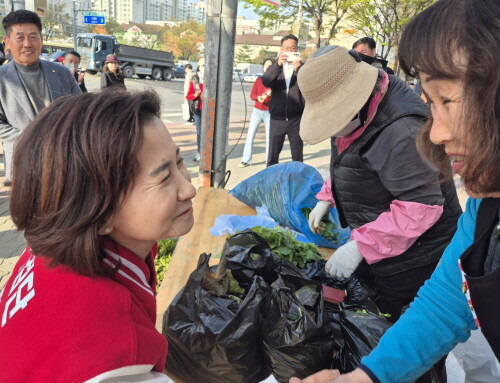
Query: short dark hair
pixel 273 61
pixel 433 43
pixel 188 66
pixel 289 37
pixel 72 52
pixel 366 40
pixel 74 164
pixel 21 17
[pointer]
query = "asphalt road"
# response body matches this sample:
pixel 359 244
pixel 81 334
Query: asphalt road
pixel 172 97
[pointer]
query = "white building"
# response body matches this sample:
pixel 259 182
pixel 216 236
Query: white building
pixel 197 12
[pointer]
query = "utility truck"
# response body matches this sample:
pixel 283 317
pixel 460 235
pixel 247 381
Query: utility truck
pixel 94 48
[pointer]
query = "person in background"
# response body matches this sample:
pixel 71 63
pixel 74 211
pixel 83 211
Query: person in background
pixel 72 62
pixel 98 181
pixel 112 75
pixel 448 47
pixel 286 104
pixel 27 84
pixel 188 69
pixel 260 113
pixel 194 95
pixel 367 46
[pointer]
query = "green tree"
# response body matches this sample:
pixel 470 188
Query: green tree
pixel 264 53
pixel 244 54
pixel 56 22
pixel 184 40
pixel 384 20
pixel 325 15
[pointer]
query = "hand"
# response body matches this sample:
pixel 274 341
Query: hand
pixel 81 76
pixel 282 59
pixel 324 376
pixel 333 376
pixel 297 64
pixel 344 261
pixel 320 210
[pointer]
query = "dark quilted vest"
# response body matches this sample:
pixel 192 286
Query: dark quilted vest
pixel 361 197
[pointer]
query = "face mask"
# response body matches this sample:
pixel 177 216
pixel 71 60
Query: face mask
pixel 70 66
pixel 350 127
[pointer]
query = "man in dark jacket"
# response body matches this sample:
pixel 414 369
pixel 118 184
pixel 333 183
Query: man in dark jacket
pixel 287 103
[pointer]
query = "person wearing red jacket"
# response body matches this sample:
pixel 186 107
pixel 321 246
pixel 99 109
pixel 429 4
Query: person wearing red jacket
pixel 194 93
pixel 80 304
pixel 262 96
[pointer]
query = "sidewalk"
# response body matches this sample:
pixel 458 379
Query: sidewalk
pixel 12 242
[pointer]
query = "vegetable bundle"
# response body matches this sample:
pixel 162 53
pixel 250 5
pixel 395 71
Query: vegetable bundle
pixel 283 243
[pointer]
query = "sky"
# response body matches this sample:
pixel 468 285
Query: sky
pixel 248 13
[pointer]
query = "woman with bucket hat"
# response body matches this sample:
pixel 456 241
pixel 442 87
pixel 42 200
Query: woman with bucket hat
pixel 112 75
pixel 401 215
pixel 448 47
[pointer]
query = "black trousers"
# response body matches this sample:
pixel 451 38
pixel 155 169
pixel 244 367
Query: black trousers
pixel 277 131
pixel 393 293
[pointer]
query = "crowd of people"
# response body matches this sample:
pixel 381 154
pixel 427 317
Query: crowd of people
pixel 97 180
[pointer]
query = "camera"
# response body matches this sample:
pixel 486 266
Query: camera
pixel 292 56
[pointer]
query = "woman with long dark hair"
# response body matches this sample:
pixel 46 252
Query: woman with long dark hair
pixel 449 48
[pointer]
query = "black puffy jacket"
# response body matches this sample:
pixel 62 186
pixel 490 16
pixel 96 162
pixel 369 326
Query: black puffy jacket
pixel 383 165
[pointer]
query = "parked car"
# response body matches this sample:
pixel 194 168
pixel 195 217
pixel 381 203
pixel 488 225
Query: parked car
pixel 237 76
pixel 53 57
pixel 252 77
pixel 179 72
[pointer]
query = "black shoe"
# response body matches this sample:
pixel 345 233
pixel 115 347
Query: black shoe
pixel 7 182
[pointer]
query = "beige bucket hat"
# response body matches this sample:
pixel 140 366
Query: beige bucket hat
pixel 335 86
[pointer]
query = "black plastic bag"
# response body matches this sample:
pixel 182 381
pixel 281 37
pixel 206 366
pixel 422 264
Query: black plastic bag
pixel 358 294
pixel 247 255
pixel 360 331
pixel 213 338
pixel 296 332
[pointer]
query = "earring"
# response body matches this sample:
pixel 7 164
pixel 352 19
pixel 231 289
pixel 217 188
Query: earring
pixel 107 230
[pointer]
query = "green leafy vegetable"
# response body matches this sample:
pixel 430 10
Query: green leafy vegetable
pixel 283 243
pixel 328 228
pixel 166 248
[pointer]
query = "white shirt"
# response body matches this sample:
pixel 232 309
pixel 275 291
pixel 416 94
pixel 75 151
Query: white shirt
pixel 288 69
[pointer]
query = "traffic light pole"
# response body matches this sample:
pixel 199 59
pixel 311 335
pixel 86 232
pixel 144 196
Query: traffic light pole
pixel 75 12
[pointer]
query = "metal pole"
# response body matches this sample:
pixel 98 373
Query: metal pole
pixel 224 88
pixel 219 56
pixel 75 12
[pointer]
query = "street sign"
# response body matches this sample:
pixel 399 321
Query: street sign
pixel 91 19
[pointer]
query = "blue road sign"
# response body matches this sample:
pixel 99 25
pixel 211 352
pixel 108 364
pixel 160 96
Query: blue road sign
pixel 101 20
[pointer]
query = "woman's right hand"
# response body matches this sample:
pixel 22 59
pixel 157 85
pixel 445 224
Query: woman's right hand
pixel 333 376
pixel 316 215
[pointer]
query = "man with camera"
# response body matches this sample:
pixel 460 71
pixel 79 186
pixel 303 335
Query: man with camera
pixel 287 103
pixel 71 60
pixel 27 84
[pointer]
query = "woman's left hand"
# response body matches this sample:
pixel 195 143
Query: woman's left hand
pixel 325 376
pixel 333 376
